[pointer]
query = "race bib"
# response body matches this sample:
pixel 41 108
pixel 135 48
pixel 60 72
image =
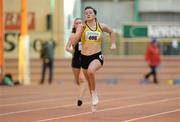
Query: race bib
pixel 92 35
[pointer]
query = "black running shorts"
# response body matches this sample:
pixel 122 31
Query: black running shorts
pixel 86 60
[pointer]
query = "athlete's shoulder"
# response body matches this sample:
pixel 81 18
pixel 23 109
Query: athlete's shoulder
pixel 80 29
pixel 81 26
pixel 102 25
pixel 105 27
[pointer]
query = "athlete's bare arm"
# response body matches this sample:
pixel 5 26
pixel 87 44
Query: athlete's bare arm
pixel 69 44
pixel 77 36
pixel 106 28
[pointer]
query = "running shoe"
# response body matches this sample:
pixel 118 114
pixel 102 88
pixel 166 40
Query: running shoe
pixel 95 99
pixel 82 89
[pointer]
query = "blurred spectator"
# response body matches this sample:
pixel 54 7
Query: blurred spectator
pixel 152 57
pixel 175 47
pixel 47 56
pixel 8 80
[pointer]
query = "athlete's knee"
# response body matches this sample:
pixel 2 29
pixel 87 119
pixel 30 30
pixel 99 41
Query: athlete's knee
pixel 90 72
pixel 81 79
pixel 77 82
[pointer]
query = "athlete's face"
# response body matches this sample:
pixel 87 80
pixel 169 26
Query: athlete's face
pixel 77 22
pixel 89 14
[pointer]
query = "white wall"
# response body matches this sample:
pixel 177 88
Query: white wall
pixel 112 13
pixel 159 5
pixel 159 10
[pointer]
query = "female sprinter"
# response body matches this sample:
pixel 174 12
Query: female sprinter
pixel 76 62
pixel 91 57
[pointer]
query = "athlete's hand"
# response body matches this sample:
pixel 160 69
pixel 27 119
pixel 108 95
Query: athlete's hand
pixel 113 46
pixel 71 51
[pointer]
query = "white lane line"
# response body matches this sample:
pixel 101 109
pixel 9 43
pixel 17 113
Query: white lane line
pixel 67 98
pixel 63 117
pixel 36 101
pixel 39 97
pixel 110 109
pixel 25 96
pixel 71 105
pixel 152 115
pixel 32 96
pixel 47 100
pixel 32 110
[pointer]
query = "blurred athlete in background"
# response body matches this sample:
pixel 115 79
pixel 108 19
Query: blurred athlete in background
pixel 75 50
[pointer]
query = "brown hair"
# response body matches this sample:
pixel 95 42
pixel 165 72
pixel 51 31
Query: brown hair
pixel 89 7
pixel 74 29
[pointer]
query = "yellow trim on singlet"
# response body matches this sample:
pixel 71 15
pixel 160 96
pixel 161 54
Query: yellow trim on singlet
pixel 92 36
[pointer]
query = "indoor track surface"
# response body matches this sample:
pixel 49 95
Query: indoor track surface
pixel 120 102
